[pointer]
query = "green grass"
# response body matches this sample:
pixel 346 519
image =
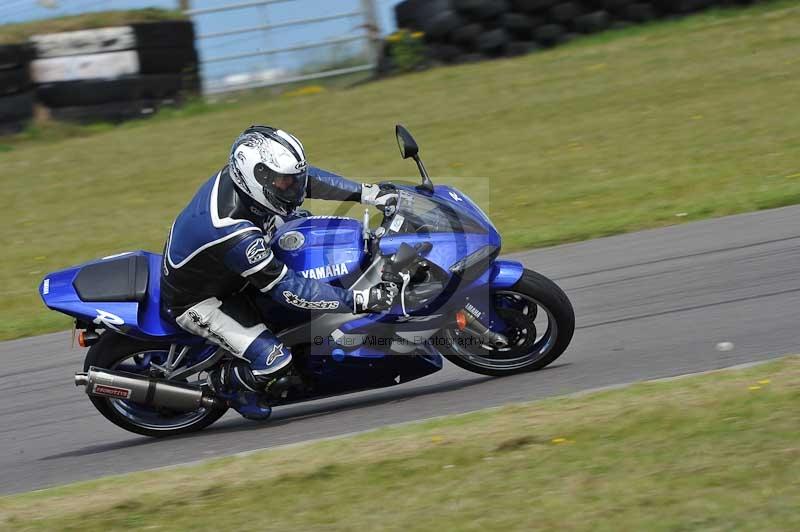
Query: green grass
pixel 648 127
pixel 712 452
pixel 17 33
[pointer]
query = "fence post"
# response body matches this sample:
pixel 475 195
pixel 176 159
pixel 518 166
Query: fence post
pixel 184 5
pixel 373 30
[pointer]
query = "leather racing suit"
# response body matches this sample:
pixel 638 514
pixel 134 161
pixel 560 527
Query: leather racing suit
pixel 217 247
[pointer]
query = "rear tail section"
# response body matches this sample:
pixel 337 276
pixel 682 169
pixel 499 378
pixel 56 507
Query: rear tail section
pixel 120 292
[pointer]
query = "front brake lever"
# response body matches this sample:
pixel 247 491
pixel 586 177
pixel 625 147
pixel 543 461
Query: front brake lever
pixel 406 278
pixel 400 280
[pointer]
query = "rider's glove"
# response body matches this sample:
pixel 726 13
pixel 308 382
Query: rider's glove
pixel 378 195
pixel 374 299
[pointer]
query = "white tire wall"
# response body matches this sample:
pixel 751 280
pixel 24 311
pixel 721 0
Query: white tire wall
pixel 84 42
pixel 114 74
pixel 108 65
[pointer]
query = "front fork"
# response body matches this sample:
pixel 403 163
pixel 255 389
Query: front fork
pixel 503 274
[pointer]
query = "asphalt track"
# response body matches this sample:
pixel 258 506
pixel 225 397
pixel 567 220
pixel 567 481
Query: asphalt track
pixel 649 304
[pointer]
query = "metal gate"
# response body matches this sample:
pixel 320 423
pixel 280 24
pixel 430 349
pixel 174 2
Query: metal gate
pixel 260 43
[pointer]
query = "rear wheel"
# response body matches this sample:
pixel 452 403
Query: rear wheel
pixel 538 321
pixel 114 351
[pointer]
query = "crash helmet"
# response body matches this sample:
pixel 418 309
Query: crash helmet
pixel 269 165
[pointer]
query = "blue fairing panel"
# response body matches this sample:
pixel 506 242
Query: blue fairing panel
pixel 447 248
pixel 141 320
pixel 59 294
pixel 505 273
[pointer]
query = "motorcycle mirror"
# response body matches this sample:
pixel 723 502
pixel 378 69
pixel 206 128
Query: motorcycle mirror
pixel 409 149
pixel 406 143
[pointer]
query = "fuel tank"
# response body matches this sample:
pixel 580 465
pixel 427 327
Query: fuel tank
pixel 326 248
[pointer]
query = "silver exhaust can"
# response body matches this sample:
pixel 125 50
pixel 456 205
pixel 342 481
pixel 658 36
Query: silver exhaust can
pixel 142 390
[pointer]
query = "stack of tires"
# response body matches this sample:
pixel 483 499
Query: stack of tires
pixel 16 95
pixel 466 30
pixel 115 73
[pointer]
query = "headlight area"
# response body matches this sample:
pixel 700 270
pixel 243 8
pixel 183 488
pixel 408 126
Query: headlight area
pixel 474 264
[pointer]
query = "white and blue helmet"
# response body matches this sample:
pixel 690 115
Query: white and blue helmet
pixel 269 165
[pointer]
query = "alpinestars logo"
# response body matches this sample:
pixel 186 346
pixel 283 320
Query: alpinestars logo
pixel 277 350
pixel 299 302
pixel 211 335
pixel 257 251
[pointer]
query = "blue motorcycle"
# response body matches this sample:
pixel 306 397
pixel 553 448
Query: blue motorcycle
pixel 455 300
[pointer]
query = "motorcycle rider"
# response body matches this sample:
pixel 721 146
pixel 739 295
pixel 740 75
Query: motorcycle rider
pixel 218 246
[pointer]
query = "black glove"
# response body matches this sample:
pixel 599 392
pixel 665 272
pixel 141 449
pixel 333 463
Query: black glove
pixel 374 299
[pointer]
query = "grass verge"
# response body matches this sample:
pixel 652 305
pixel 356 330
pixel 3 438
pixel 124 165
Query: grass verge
pixel 654 126
pixel 18 33
pixel 713 452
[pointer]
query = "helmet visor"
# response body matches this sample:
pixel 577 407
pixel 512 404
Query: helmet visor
pixel 288 188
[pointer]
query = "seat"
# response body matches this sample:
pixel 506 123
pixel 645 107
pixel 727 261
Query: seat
pixel 120 279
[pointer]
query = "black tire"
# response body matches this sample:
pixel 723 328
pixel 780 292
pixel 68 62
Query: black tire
pixel 682 6
pixel 167 60
pixel 493 42
pixel 441 25
pixel 404 14
pixel 464 59
pixel 620 25
pixel 547 294
pixel 414 14
pixel 565 12
pixel 11 128
pixel 14 81
pixel 549 34
pixel 109 350
pixel 165 34
pixel 158 87
pixel 639 13
pixel 482 9
pixel 592 22
pixel 516 48
pixel 568 37
pixel 446 53
pixel 14 55
pixel 532 6
pixel 521 26
pixel 114 112
pixel 16 108
pixel 612 5
pixel 467 35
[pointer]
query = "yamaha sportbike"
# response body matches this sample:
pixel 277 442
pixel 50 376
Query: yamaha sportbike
pixel 455 300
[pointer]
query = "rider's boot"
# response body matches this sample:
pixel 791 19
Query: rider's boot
pixel 246 386
pixel 250 403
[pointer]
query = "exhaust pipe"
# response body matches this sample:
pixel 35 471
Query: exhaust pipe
pixel 142 390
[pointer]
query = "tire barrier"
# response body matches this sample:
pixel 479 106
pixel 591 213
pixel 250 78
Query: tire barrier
pixel 16 96
pixel 115 73
pixel 463 31
pixel 103 74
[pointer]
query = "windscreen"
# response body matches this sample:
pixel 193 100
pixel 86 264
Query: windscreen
pixel 419 214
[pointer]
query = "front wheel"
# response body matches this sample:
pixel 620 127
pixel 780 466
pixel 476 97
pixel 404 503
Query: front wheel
pixel 117 352
pixel 537 319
